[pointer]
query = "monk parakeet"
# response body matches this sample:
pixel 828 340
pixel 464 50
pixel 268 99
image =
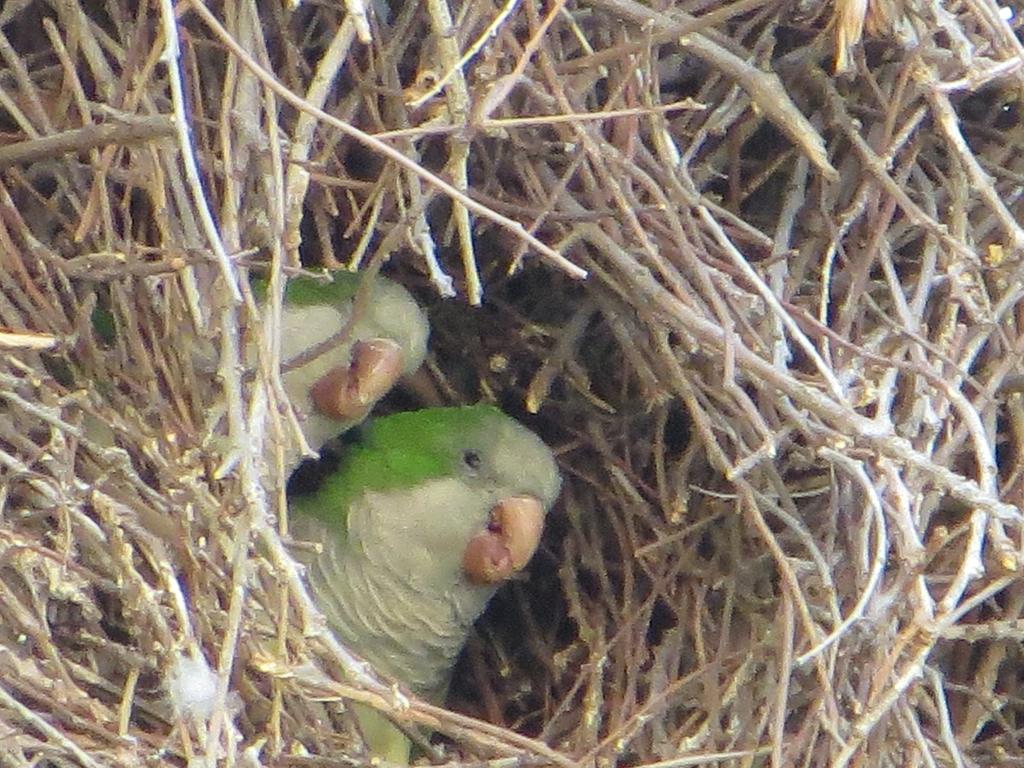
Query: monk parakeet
pixel 426 515
pixel 333 386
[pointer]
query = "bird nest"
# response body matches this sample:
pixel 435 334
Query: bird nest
pixel 751 269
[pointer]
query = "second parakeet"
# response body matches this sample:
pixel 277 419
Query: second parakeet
pixel 427 514
pixel 335 373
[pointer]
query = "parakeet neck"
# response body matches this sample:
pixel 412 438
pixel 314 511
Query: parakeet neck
pixel 394 589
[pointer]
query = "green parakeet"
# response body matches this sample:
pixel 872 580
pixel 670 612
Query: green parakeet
pixel 427 514
pixel 333 387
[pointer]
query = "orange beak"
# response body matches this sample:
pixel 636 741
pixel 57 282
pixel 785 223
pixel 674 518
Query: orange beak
pixel 348 392
pixel 508 542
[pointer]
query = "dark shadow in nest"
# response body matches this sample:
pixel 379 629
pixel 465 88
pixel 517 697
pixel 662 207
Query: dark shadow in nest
pixel 490 354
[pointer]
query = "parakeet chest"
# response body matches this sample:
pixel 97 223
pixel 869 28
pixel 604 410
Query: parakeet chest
pixel 394 589
pixel 429 526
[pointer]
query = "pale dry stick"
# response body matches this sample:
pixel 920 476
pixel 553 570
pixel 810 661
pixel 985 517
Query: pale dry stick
pixel 908 714
pixel 10 10
pixel 913 669
pixel 992 14
pixel 940 20
pixel 747 500
pixel 597 151
pixel 499 90
pixel 244 438
pixel 856 470
pixel 239 107
pixel 698 269
pixel 268 343
pixel 16 67
pixel 795 524
pixel 176 221
pixel 127 702
pixel 747 756
pixel 981 183
pixel 946 625
pixel 72 16
pixel 875 251
pixel 275 185
pixel 703 734
pixel 322 82
pixel 936 379
pixel 862 727
pixel 468 728
pixel 454 71
pixel 848 23
pixel 368 230
pixel 44 414
pixel 764 88
pixel 945 722
pixel 54 736
pixel 878 168
pixel 988 673
pixel 120 516
pixel 170 56
pixel 22 615
pixel 28 340
pixel 971 567
pixel 422 240
pixel 838 230
pixel 984 452
pixel 388 151
pixel 998 629
pixel 457 167
pixel 357 12
pixel 17 115
pixel 71 79
pixel 831 727
pixel 976 79
pixel 928 261
pixel 786 634
pixel 912 549
pixel 847 423
pixel 668 35
pixel 778 273
pixel 505 123
pixel 772 301
pixel 314 623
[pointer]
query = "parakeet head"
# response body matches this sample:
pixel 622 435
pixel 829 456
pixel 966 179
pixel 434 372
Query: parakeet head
pixel 472 475
pixel 336 369
pixel 428 512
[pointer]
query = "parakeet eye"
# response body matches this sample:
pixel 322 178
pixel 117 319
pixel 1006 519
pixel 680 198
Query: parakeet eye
pixel 471 459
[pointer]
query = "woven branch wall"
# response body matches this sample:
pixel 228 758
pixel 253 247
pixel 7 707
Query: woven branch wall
pixel 753 269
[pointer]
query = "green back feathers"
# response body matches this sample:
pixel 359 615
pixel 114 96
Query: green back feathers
pixel 397 452
pixel 304 291
pixel 103 324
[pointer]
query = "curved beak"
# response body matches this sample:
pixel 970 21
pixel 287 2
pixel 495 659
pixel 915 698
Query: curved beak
pixel 508 542
pixel 348 392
